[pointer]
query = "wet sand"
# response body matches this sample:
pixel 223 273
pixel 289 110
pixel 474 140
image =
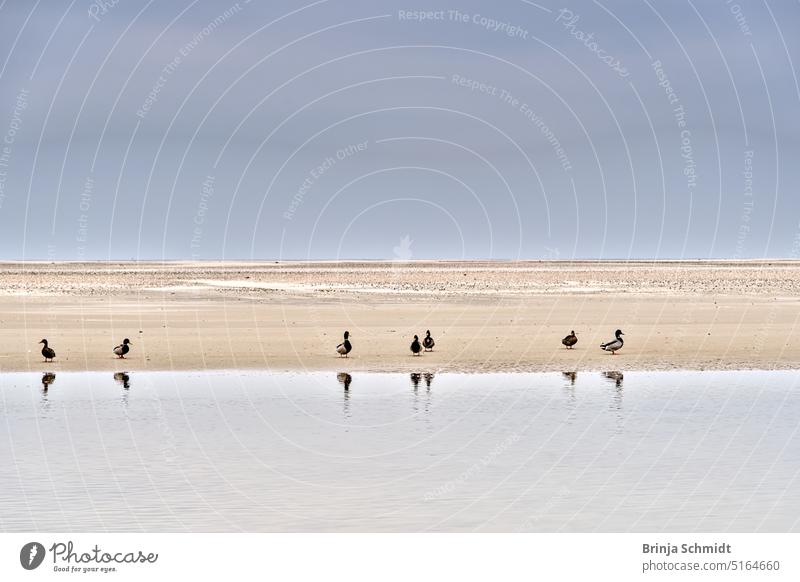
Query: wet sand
pixel 485 316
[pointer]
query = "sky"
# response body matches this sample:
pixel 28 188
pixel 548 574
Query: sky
pixel 335 130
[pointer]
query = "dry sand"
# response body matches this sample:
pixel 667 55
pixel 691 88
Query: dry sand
pixel 485 316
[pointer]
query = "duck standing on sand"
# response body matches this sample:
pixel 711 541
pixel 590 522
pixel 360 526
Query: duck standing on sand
pixel 615 345
pixel 48 352
pixel 416 347
pixel 428 342
pixel 344 348
pixel 123 348
pixel 570 340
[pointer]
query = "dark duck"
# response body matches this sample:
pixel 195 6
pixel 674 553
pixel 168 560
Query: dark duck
pixel 570 340
pixel 123 348
pixel 345 347
pixel 48 352
pixel 428 342
pixel 416 347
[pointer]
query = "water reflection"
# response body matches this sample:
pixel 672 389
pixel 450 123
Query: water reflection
pixel 417 377
pixel 123 378
pixel 47 379
pixel 615 377
pixel 569 390
pixel 428 381
pixel 346 379
pixel 227 433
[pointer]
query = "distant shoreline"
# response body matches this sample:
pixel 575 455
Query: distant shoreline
pixel 728 261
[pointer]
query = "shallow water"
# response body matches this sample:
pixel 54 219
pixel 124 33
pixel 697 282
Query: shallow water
pixel 259 451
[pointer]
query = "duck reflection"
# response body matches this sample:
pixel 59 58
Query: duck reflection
pixel 428 376
pixel 617 377
pixel 123 378
pixel 346 379
pixel 569 389
pixel 416 378
pixel 47 379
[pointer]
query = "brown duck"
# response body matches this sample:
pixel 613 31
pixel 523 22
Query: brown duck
pixel 570 340
pixel 48 352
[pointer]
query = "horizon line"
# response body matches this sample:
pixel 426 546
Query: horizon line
pixel 410 261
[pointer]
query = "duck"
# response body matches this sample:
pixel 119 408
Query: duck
pixel 416 347
pixel 48 352
pixel 428 342
pixel 123 348
pixel 570 340
pixel 345 347
pixel 614 345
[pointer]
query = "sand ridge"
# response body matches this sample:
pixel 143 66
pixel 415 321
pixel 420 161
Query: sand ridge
pixel 485 316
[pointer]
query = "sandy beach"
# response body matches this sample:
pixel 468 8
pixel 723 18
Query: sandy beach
pixel 485 316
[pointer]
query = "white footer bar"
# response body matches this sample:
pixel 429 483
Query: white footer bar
pixel 406 557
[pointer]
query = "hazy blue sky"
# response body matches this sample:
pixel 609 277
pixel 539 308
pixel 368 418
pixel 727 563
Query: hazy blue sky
pixel 200 129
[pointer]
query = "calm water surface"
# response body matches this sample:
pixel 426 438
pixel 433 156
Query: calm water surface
pixel 259 451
